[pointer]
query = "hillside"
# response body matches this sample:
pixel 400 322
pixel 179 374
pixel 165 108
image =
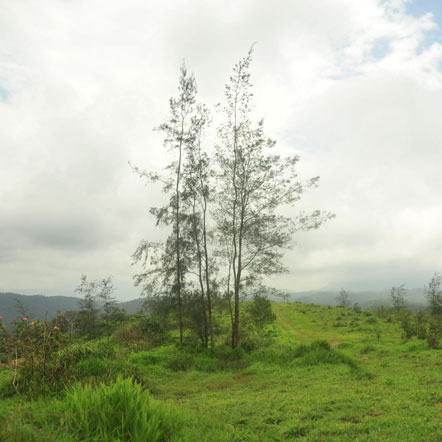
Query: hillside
pixel 317 374
pixel 41 307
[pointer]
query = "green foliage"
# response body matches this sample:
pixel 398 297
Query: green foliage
pixel 33 347
pixel 93 367
pixel 79 351
pixel 367 349
pixel 259 312
pixel 434 294
pixel 316 353
pixel 424 327
pixel 119 411
pixel 397 297
pixel 180 361
pixel 143 332
pixel 343 299
pixel 87 317
pixel 434 334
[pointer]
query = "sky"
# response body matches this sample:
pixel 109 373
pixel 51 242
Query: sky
pixel 354 88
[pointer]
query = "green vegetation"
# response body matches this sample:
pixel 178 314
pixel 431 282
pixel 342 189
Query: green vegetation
pixel 315 373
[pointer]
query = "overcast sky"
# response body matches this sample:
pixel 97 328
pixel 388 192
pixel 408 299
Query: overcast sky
pixel 353 87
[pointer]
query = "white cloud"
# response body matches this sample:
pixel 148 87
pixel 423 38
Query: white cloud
pixel 354 87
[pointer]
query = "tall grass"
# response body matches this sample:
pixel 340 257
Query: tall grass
pixel 119 411
pixel 316 353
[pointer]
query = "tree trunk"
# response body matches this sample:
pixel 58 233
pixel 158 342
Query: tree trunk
pixel 178 255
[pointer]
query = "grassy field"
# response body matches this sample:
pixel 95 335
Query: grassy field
pixel 360 382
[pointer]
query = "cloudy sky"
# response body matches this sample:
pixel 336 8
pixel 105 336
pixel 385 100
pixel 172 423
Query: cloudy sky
pixel 353 87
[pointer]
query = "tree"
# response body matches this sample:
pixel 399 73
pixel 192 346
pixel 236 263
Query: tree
pixel 109 303
pixel 21 308
pixel 260 311
pixel 343 299
pixel 434 295
pixel 88 314
pixel 356 308
pixel 177 131
pixel 253 183
pixel 196 196
pixel 397 297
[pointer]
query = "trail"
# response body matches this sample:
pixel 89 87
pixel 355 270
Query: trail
pixel 284 322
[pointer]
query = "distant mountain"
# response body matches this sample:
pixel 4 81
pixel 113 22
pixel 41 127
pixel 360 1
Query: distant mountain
pixel 41 307
pixel 415 298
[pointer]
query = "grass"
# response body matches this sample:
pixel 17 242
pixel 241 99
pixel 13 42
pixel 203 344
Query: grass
pixel 313 380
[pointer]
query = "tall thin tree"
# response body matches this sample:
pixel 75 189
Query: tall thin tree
pixel 197 195
pixel 176 132
pixel 253 183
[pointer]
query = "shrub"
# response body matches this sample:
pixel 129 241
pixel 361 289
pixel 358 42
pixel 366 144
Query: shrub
pixel 120 411
pixel 180 361
pixel 77 352
pixel 367 348
pixel 37 344
pixel 320 352
pixel 260 312
pixel 251 342
pixel 93 367
pixel 434 333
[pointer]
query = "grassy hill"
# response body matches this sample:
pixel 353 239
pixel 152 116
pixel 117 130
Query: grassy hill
pixel 319 374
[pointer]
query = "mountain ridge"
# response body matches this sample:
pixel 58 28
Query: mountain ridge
pixel 46 307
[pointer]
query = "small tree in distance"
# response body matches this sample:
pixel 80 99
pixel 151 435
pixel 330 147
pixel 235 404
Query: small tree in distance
pixel 434 295
pixel 343 299
pixel 260 311
pixel 397 297
pixel 88 315
pixel 109 302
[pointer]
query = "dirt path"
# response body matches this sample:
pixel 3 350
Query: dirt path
pixel 287 325
pixel 281 324
pixel 284 322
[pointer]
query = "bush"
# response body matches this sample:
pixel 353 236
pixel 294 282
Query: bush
pixel 316 353
pixel 78 352
pixel 434 333
pixel 367 348
pixel 251 342
pixel 93 367
pixel 143 331
pixel 120 411
pixel 320 352
pixel 180 361
pixel 259 312
pixel 37 345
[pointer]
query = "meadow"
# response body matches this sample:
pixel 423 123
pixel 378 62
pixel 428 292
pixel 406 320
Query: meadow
pixel 316 373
